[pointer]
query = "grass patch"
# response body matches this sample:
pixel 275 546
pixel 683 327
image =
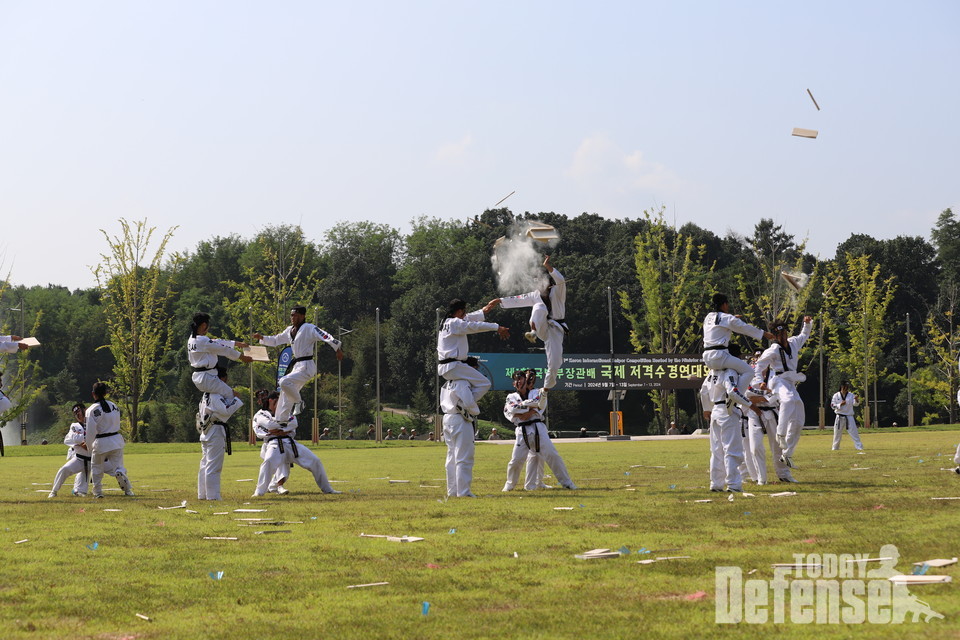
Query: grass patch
pixel 156 562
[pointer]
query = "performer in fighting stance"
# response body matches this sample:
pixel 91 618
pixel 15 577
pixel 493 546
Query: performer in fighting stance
pixel 104 442
pixel 842 403
pixel 302 335
pixel 202 353
pixel 547 313
pixel 718 327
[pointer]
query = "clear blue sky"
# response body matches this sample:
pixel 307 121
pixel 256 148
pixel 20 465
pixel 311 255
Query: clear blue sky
pixel 224 117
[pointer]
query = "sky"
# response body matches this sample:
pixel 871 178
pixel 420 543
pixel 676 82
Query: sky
pixel 226 117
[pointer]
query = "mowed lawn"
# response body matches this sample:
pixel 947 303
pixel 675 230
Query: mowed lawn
pixel 500 566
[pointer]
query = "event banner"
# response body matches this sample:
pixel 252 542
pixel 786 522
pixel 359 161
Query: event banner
pixel 581 372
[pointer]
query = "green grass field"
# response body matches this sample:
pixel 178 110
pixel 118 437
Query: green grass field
pixel 156 562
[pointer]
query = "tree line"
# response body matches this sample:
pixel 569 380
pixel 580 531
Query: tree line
pixel 131 328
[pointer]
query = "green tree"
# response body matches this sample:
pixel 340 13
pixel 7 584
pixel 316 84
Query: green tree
pixel 136 287
pixel 855 322
pixel 672 279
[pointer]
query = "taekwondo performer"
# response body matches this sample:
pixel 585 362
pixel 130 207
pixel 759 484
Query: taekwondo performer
pixel 523 408
pixel 718 326
pixel 781 357
pixel 842 403
pixel 212 416
pixel 547 313
pixel 302 336
pixel 104 442
pixel 763 423
pixel 720 395
pixel 202 355
pixel 78 458
pixel 453 348
pixel 11 344
pixel 277 457
pixel 459 410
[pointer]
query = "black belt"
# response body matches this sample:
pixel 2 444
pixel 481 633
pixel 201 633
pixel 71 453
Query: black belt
pixel 536 433
pixel 715 347
pixel 763 427
pixel 449 360
pixel 82 457
pixel 107 435
pixel 280 440
pixel 303 359
pixel 86 466
pixel 226 431
pixel 846 418
pixel 201 369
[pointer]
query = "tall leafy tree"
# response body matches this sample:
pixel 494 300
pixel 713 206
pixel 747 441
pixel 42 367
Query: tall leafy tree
pixel 137 287
pixel 672 278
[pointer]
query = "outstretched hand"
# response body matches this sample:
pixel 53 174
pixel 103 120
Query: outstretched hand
pixel 503 332
pixel 258 336
pixel 547 265
pixel 490 306
pixel 246 359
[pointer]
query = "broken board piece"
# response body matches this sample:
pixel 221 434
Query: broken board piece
pixel 403 539
pixel 219 538
pixel 794 565
pixel 370 584
pixel 257 352
pixel 399 482
pixel 263 533
pixel 925 579
pixel 804 133
pixel 563 508
pixel 869 559
pixel 937 562
pixel 249 510
pixel 595 554
pixel 783 494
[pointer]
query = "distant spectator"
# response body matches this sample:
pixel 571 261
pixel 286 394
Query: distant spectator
pixel 389 435
pixel 350 435
pixel 403 434
pixel 583 432
pixel 493 434
pixel 673 431
pixel 325 435
pixel 433 437
pixel 44 441
pixel 371 433
pixel 413 434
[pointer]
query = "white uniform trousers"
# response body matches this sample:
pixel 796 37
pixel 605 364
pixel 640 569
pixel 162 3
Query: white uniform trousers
pixel 272 460
pixel 758 450
pixel 106 462
pixel 308 460
pixel 725 444
pixel 749 466
pixel 720 359
pixel 791 414
pixel 551 333
pixel 956 456
pixel 479 383
pixel 850 424
pixel 208 382
pixel 458 434
pixel 297 376
pixel 74 465
pixel 213 447
pixel 547 451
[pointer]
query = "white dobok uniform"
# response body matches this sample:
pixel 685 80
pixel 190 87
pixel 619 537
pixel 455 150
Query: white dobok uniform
pixel 453 349
pixel 5 403
pixel 303 367
pixel 783 381
pixel 532 441
pixel 7 345
pixel 105 444
pixel 458 405
pixel 202 353
pixel 765 426
pixel 215 410
pixel 548 319
pixel 843 405
pixel 279 452
pixel 718 327
pixel 78 462
pixel 721 393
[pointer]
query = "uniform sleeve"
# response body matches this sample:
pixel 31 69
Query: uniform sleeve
pixel 261 424
pixel 513 406
pixel 733 391
pixel 705 400
pixel 461 327
pixel 6 346
pixel 835 401
pixel 520 301
pixel 275 341
pixel 765 360
pixel 739 326
pixel 856 401
pixel 74 435
pixel 93 416
pixel 329 339
pixel 800 339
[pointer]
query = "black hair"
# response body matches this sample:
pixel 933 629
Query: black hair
pixel 455 305
pixel 198 319
pixel 100 390
pixel 719 299
pixel 776 326
pixel 264 396
pixel 78 405
pixel 844 383
pixel 301 310
pixel 523 374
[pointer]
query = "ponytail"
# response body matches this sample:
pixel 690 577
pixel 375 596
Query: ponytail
pixel 198 319
pixel 100 390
